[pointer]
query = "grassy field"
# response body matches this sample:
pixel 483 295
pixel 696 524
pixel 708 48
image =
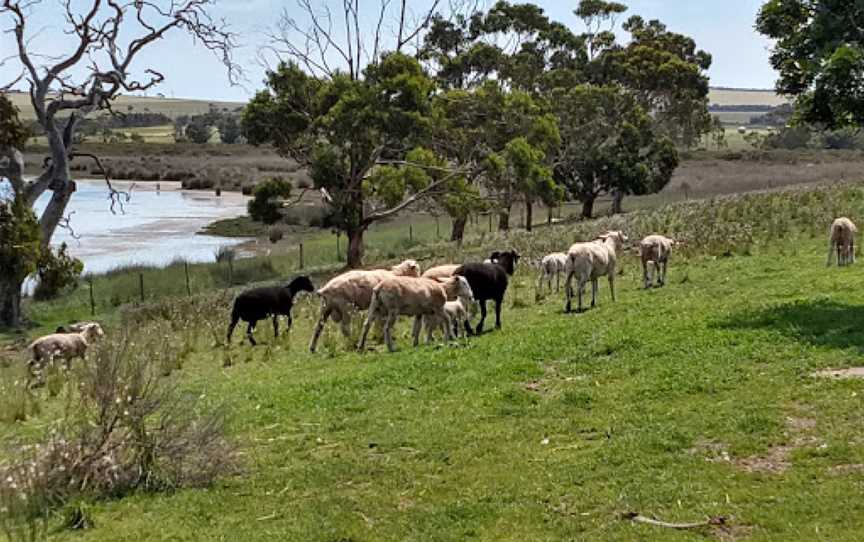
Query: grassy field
pixel 722 96
pixel 168 106
pixel 692 401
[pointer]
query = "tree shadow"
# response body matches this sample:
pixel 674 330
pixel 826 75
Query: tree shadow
pixel 818 322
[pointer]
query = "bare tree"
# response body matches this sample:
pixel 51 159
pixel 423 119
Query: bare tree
pixel 105 39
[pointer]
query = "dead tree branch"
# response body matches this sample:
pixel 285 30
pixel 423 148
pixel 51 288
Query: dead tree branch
pixel 710 522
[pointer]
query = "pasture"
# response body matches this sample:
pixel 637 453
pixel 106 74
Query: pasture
pixel 171 107
pixel 691 401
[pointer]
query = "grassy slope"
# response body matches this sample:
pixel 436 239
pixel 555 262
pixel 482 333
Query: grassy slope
pixel 447 444
pixel 168 106
pixel 724 96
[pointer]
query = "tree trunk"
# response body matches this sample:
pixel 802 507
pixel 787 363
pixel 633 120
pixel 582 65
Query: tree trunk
pixel 588 206
pixel 529 214
pixel 10 302
pixel 458 231
pixel 504 219
pixel 355 247
pixel 617 202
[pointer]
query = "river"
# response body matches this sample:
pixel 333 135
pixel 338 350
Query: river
pixel 154 227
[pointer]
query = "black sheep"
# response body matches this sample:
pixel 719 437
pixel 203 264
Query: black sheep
pixel 259 303
pixel 489 281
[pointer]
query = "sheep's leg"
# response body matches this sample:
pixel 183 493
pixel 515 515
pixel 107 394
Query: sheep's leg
pixel 388 331
pixel 448 332
pixel 852 251
pixel 231 326
pixel 663 279
pixel 557 282
pixel 498 303
pixel 415 333
pixel 612 283
pixel 345 323
pixel 645 278
pixel 275 326
pixel 479 329
pixel 593 293
pixel 568 291
pixel 250 330
pixel 581 288
pixel 319 327
pixel 368 324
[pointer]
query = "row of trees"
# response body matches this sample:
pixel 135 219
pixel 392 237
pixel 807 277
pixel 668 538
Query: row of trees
pixel 483 110
pixel 199 128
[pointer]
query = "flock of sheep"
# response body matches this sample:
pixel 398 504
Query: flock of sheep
pixel 438 299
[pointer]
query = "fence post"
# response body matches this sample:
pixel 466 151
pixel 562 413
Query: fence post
pixel 301 256
pixel 92 299
pixel 338 248
pixel 141 285
pixel 411 232
pixel 437 228
pixel 490 222
pixel 186 269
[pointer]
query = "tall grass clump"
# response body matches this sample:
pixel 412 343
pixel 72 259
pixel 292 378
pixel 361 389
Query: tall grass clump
pixel 124 428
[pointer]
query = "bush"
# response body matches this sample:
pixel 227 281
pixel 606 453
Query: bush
pixel 266 204
pixel 198 132
pixel 57 272
pixel 126 427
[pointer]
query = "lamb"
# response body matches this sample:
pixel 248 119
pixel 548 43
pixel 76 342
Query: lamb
pixel 65 346
pixel 552 265
pixel 456 311
pixel 412 296
pixel 489 281
pixel 259 303
pixel 654 251
pixel 353 290
pixel 842 239
pixel 590 261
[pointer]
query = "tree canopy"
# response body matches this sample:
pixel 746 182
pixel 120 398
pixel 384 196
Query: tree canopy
pixel 819 54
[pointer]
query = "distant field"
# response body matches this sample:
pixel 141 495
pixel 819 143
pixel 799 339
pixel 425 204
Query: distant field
pixel 745 97
pixel 735 118
pixel 167 106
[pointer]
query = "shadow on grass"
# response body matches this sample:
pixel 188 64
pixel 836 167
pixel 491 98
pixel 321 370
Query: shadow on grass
pixel 821 323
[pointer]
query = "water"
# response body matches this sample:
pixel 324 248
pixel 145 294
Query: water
pixel 155 229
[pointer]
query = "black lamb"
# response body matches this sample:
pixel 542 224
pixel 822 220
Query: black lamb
pixel 259 303
pixel 489 281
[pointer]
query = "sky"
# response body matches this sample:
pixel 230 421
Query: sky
pixel 723 28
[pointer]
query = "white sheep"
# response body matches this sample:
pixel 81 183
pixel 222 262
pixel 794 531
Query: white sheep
pixel 65 346
pixel 654 251
pixel 441 272
pixel 353 290
pixel 589 261
pixel 417 297
pixel 842 239
pixel 552 265
pixel 456 311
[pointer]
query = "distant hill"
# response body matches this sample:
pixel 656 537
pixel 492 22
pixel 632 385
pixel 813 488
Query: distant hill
pixel 737 96
pixel 167 106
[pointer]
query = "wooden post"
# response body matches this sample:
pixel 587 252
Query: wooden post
pixel 92 299
pixel 411 232
pixel 437 228
pixel 186 269
pixel 301 256
pixel 141 285
pixel 338 248
pixel 490 222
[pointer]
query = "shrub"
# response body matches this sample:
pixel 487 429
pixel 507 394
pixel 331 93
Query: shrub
pixel 57 272
pixel 198 132
pixel 266 204
pixel 125 428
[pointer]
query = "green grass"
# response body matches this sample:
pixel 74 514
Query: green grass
pixel 449 443
pixel 661 403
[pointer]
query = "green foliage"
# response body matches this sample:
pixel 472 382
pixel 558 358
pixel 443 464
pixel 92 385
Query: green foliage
pixel 266 203
pixel 819 54
pixel 229 130
pixel 57 273
pixel 19 240
pixel 198 131
pixel 13 133
pixel 608 144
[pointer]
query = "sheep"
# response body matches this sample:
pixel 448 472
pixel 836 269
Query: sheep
pixel 489 281
pixel 552 265
pixel 446 271
pixel 411 296
pixel 259 303
pixel 842 238
pixel 589 261
pixel 65 346
pixel 353 290
pixel 456 311
pixel 654 251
